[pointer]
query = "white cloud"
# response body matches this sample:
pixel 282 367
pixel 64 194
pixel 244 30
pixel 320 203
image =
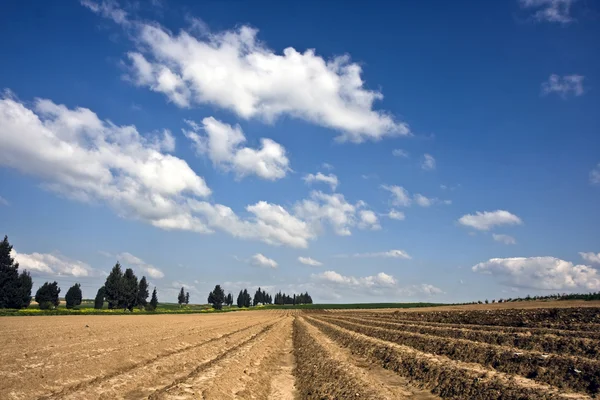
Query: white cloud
pixel 233 70
pixel 400 196
pixel 53 264
pixel 486 220
pixel 260 260
pixel 400 153
pixel 330 179
pixel 368 220
pixel 129 259
pixel 82 157
pixel 423 201
pixel 397 215
pixel 383 254
pixel 310 261
pixel 563 86
pixel 550 10
pixel 269 223
pixel 541 273
pixel 77 155
pixel 428 163
pixel 506 239
pixel 591 257
pixel 334 210
pixel 223 145
pixel 595 175
pixel 3 201
pixel 327 166
pixel 378 284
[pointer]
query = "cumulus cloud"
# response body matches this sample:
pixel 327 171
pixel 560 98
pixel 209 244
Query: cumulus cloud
pixel 428 163
pixel 378 284
pixel 329 179
pixel 222 143
pixel 506 239
pixel 563 86
pixel 368 220
pixel 595 175
pixel 400 153
pixel 79 156
pixel 591 257
pixel 384 254
pixel 400 196
pixel 484 221
pixel 541 273
pixel 129 260
pixel 550 10
pixel 310 261
pixel 335 211
pixel 53 264
pixel 235 71
pixel 395 214
pixel 260 260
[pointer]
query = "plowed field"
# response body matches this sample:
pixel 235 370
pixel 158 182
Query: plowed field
pixel 458 354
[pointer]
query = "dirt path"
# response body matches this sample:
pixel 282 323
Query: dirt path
pixel 246 373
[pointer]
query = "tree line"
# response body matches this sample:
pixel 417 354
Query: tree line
pixel 121 290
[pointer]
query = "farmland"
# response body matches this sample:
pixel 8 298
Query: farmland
pixel 427 353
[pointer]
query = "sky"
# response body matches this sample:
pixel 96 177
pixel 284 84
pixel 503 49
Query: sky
pixel 420 151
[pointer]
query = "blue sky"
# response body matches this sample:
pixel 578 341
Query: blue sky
pixel 424 152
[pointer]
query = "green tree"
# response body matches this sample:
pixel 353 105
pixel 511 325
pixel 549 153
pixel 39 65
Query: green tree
pixel 181 297
pixel 142 294
pixel 229 300
pixel 153 301
pixel 47 295
pixel 130 290
pixel 15 289
pixel 73 297
pixel 240 299
pixel 217 297
pixel 246 298
pixel 99 300
pixel 187 298
pixel 114 287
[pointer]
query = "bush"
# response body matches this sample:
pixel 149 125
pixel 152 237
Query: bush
pixel 73 296
pixel 47 295
pixel 99 300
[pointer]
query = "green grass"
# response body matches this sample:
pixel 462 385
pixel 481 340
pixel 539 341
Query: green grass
pixel 87 308
pixel 352 306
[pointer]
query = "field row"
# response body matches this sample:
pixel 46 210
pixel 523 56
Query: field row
pixel 450 372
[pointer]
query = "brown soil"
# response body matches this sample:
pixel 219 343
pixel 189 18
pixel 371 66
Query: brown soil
pixel 486 353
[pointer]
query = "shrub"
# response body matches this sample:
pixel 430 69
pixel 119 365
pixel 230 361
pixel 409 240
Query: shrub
pixel 47 295
pixel 73 296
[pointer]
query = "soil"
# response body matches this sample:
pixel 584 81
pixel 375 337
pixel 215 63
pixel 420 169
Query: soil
pixel 425 354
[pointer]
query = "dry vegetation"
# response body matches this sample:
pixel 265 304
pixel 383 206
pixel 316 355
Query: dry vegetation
pixel 465 353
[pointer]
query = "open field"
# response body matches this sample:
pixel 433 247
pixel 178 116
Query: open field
pixel 478 353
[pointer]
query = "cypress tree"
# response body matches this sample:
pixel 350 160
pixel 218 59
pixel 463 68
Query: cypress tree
pixel 99 300
pixel 153 301
pixel 240 300
pixel 130 290
pixel 247 299
pixel 47 295
pixel 142 295
pixel 187 298
pixel 73 297
pixel 15 289
pixel 181 297
pixel 217 297
pixel 114 287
